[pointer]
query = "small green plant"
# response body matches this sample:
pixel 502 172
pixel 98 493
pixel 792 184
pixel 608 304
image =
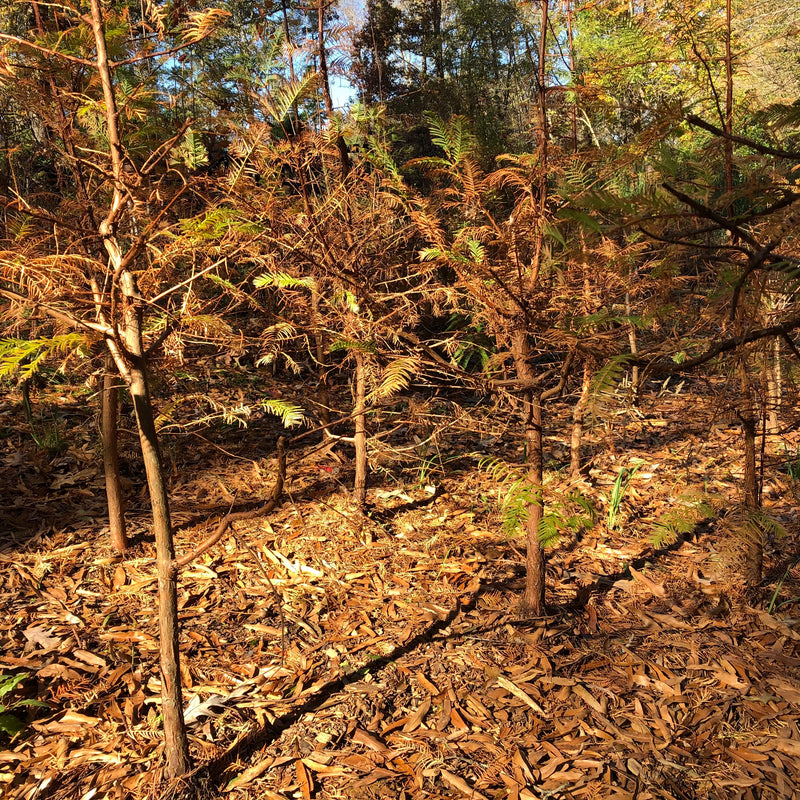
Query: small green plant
pixel 621 484
pixel 688 510
pixel 10 724
pixel 568 513
pixel 792 463
pixel 773 603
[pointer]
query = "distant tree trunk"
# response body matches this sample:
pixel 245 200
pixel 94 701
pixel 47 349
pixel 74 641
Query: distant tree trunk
pixel 344 152
pixel 109 430
pixel 288 36
pixel 438 41
pixel 634 351
pixel 754 546
pixel 578 413
pixel 359 410
pixel 774 388
pixel 727 122
pixel 320 357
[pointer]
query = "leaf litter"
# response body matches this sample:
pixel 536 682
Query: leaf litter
pixel 405 670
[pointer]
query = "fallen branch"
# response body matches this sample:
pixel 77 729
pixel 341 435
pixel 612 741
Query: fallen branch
pixel 229 519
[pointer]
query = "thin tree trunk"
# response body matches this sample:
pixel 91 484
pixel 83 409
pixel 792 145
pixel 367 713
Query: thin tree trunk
pixel 109 430
pixel 344 152
pixel 321 358
pixel 634 351
pixel 727 123
pixel 578 413
pixel 774 388
pixel 359 409
pixel 290 44
pixel 573 108
pixel 754 546
pixel 175 740
pixel 533 600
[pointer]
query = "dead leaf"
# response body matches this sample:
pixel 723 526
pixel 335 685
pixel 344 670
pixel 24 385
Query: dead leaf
pixel 462 786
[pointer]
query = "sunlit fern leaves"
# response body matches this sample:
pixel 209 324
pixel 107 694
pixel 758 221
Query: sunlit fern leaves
pixel 219 222
pixel 564 514
pixel 452 136
pixel 26 356
pixel 288 95
pixel 396 377
pixel 190 152
pixel 349 345
pixel 157 15
pixel 202 24
pixel 272 340
pixel 606 381
pixel 20 227
pixel 282 280
pixel 231 289
pixel 783 115
pixel 686 512
pixel 288 413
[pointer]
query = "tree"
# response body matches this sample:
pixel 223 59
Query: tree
pixel 132 192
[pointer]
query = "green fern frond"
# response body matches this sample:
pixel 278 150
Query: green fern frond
pixel 190 152
pixel 606 380
pixel 26 356
pixel 289 414
pixel 452 136
pixel 476 250
pixel 431 254
pixel 351 344
pixel 289 95
pixel 282 280
pixel 688 510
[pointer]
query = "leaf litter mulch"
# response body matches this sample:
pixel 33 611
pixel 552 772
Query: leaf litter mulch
pixel 331 655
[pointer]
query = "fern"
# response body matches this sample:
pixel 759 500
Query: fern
pixel 282 280
pixel 351 344
pixel 564 514
pixel 289 95
pixel 202 24
pixel 27 356
pixel 396 377
pixel 452 136
pixel 607 380
pixel 687 512
pixel 289 414
pixel 190 152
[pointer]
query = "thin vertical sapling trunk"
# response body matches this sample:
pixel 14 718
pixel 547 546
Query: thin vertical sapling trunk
pixel 344 152
pixel 754 548
pixel 578 414
pixel 132 366
pixel 533 600
pixel 109 430
pixel 359 413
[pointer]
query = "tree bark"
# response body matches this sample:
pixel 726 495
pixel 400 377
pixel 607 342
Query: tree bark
pixel 578 413
pixel 109 430
pixel 132 365
pixel 754 546
pixel 359 409
pixel 175 739
pixel 533 600
pixel 344 152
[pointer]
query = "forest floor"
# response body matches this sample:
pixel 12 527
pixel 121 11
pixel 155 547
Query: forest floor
pixel 331 655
